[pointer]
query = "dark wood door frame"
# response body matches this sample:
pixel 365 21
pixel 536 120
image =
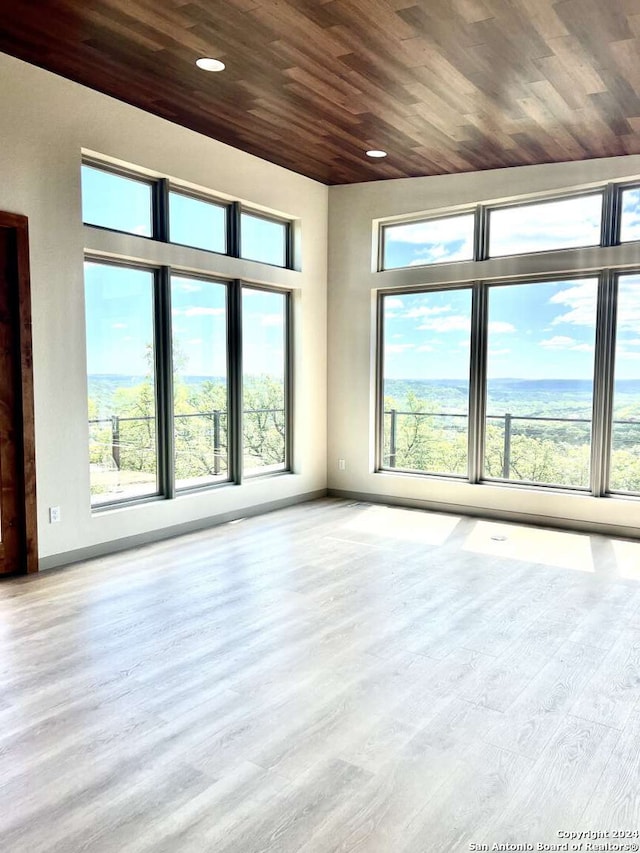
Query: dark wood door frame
pixel 19 523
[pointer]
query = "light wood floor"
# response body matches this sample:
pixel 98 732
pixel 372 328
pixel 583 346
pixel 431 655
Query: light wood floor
pixel 332 677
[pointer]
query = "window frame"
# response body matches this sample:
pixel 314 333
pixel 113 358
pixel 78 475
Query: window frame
pixel 161 187
pixel 617 233
pixel 163 381
pixel 595 421
pixel 533 202
pixel 383 226
pixel 93 258
pixel 288 236
pixel 227 207
pixel 288 380
pixel 603 380
pixel 379 390
pixel 122 172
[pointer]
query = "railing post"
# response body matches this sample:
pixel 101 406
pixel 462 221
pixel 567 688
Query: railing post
pixel 115 440
pixel 216 442
pixel 506 459
pixel 392 440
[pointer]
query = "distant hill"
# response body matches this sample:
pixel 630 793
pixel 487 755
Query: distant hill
pixel 549 397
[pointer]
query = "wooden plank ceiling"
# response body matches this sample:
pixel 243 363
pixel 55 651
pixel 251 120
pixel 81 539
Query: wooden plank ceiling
pixel 442 85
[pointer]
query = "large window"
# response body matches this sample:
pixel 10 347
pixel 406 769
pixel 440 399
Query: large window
pixel 523 379
pixel 188 375
pixel 426 381
pixel 155 207
pixel 200 381
pixel 625 429
pixel 264 380
pixel 539 399
pixel 121 378
pixel 188 382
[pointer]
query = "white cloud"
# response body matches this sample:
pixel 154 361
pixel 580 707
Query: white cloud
pixel 187 286
pixel 195 342
pixel 499 327
pixel 272 320
pixel 563 342
pixel 425 311
pixel 119 326
pixel 629 304
pixel 432 231
pixel 425 348
pixel 393 302
pixel 581 300
pixel 497 353
pixel 398 348
pixel 556 224
pixel 453 323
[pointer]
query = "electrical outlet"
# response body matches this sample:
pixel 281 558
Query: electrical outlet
pixel 54 514
pixel 342 465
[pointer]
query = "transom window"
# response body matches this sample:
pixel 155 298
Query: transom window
pixel 530 381
pixel 155 208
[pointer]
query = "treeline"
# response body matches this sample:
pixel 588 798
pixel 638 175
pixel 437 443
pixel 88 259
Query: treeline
pixel 124 438
pixel 554 452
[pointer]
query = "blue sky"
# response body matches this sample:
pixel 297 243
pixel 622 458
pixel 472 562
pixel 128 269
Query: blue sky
pixel 120 326
pixel 565 223
pixel 119 303
pixel 536 331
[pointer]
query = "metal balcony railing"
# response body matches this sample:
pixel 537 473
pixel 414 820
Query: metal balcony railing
pixel 218 430
pixel 507 419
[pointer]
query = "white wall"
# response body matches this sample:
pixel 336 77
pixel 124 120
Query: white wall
pixel 46 122
pixel 353 284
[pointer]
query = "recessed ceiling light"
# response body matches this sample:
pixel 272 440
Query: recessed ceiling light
pixel 208 64
pixel 374 153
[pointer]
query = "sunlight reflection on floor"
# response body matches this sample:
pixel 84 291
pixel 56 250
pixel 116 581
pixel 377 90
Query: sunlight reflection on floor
pixel 405 524
pixel 626 556
pixel 533 544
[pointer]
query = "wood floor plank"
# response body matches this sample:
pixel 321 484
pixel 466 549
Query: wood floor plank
pixel 558 787
pixel 329 677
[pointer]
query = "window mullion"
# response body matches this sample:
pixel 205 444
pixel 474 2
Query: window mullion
pixel 481 234
pixel 235 381
pixel 603 383
pixel 233 229
pixel 288 382
pixel 477 376
pixel 610 228
pixel 164 383
pixel 161 210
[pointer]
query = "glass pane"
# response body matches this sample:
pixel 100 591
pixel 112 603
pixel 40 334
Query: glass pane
pixel 263 240
pixel 264 377
pixel 625 433
pixel 630 224
pixel 540 382
pixel 113 201
pixel 198 223
pixel 200 394
pixel 426 381
pixel 121 382
pixel 435 241
pixel 563 224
